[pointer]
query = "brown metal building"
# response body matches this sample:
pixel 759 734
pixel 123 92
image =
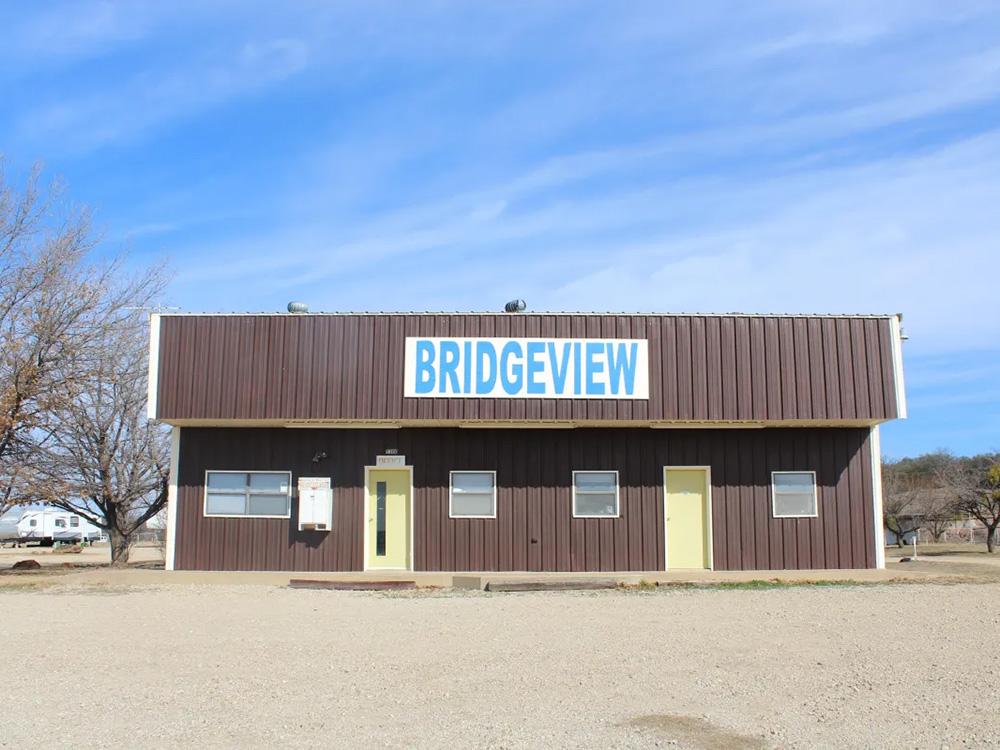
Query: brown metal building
pixel 524 442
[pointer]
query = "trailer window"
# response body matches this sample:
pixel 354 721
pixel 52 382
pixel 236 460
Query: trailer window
pixel 33 522
pixel 793 494
pixel 60 523
pixel 595 494
pixel 473 494
pixel 74 521
pixel 250 494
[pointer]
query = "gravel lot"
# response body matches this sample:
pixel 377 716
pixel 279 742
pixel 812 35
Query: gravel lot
pixel 259 666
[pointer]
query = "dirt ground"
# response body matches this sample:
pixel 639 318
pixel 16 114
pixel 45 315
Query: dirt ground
pixel 951 552
pixel 888 665
pixel 97 554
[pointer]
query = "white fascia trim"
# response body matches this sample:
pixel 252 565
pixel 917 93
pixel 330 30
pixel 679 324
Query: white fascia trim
pixel 707 425
pixel 897 365
pixel 540 424
pixel 175 457
pixel 153 372
pixel 876 468
pixel 341 425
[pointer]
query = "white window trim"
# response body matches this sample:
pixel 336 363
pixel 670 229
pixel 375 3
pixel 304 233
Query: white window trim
pixel 618 507
pixel 204 507
pixel 774 514
pixel 451 491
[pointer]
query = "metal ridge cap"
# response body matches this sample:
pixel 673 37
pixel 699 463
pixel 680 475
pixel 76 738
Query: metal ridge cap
pixel 536 313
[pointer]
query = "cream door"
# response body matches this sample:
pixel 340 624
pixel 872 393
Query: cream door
pixel 687 517
pixel 388 518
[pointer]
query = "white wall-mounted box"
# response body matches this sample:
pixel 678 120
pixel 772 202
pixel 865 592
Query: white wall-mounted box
pixel 315 504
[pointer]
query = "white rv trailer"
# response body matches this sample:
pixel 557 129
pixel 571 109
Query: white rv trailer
pixel 50 525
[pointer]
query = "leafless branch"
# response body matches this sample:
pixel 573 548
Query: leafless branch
pixel 73 431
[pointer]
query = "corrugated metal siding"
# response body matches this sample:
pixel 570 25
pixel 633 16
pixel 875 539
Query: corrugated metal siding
pixel 703 368
pixel 534 529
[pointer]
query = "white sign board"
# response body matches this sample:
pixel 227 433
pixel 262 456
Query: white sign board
pixel 439 367
pixel 390 461
pixel 315 504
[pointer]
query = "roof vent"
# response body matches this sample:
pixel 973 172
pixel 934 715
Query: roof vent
pixel 298 307
pixel 515 306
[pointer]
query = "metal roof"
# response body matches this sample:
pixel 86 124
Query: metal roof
pixel 355 313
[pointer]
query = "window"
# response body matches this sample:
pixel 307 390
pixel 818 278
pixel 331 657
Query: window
pixel 380 519
pixel 473 494
pixel 794 494
pixel 260 494
pixel 60 523
pixel 33 522
pixel 595 494
pixel 74 521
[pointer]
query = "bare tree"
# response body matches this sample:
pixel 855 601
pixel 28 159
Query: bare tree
pixel 55 306
pixel 69 359
pixel 976 484
pixel 107 462
pixel 940 512
pixel 38 314
pixel 900 494
pixel 916 497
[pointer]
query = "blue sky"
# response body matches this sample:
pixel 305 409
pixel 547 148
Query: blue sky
pixel 788 156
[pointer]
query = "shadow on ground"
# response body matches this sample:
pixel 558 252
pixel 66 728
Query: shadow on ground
pixel 692 732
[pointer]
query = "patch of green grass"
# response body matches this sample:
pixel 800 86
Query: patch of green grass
pixel 757 584
pixel 642 585
pixel 781 584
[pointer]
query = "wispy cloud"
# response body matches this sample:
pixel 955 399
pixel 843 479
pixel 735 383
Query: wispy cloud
pixel 67 31
pixel 890 236
pixel 878 237
pixel 144 100
pixel 70 30
pixel 828 156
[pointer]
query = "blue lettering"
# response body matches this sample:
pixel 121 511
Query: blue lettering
pixel 486 367
pixel 449 367
pixel 577 369
pixel 425 367
pixel 467 367
pixel 559 370
pixel 593 368
pixel 511 376
pixel 622 364
pixel 535 366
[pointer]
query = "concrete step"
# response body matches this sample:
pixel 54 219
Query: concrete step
pixel 307 583
pixel 540 584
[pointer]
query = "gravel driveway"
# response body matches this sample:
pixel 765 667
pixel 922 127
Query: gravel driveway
pixel 256 666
